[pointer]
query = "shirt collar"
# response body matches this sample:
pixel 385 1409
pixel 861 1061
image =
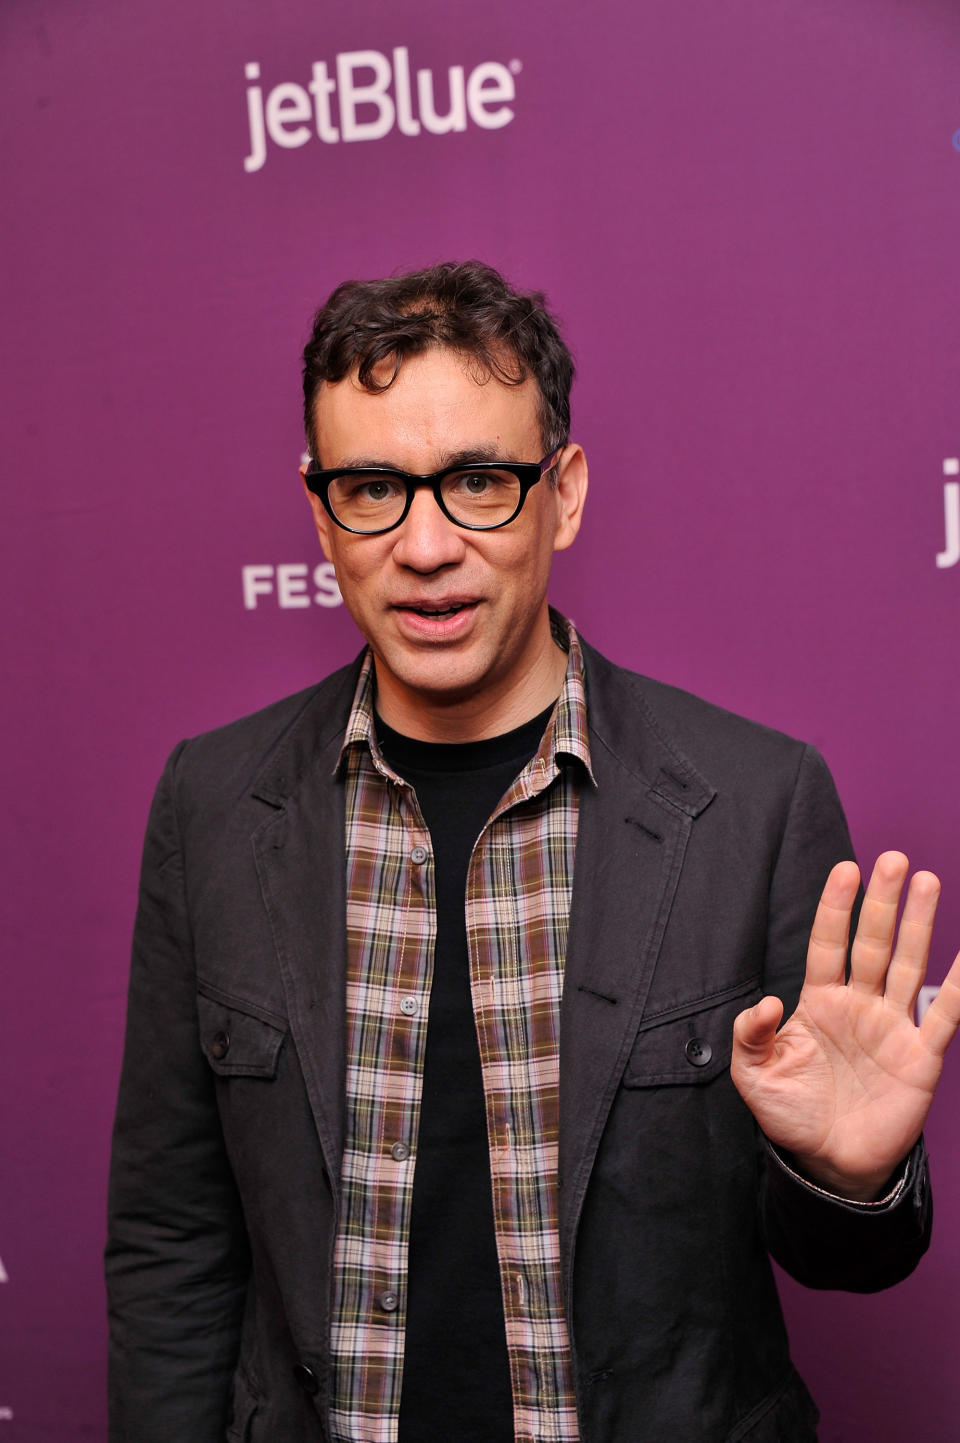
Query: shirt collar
pixel 567 732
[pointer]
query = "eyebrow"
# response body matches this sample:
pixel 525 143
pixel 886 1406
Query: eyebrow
pixel 467 457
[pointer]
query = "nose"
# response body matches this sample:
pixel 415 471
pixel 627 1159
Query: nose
pixel 427 541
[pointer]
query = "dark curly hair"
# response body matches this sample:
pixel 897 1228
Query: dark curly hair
pixel 466 306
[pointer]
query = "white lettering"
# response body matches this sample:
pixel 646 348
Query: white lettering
pixel 257 581
pixel 353 95
pixel 481 94
pixel 950 555
pixel 321 88
pixel 373 93
pixel 258 144
pixel 292 585
pixel 288 104
pixel 456 117
pixel 4 1276
pixel 324 579
pixel 406 123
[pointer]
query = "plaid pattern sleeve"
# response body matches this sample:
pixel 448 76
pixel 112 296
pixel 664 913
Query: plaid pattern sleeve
pixel 517 905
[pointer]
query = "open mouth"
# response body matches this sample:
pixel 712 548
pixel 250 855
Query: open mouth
pixel 437 613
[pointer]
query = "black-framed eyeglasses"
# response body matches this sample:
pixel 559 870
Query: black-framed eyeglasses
pixel 369 500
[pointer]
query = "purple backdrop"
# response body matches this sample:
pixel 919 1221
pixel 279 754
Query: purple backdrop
pixel 746 215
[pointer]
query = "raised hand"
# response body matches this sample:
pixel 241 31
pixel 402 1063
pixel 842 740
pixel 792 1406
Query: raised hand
pixel 846 1084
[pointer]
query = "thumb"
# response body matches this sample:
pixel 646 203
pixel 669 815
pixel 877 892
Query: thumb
pixel 755 1030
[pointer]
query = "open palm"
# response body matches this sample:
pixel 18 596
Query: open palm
pixel 846 1084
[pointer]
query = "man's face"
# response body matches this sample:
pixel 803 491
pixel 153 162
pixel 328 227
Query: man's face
pixel 453 616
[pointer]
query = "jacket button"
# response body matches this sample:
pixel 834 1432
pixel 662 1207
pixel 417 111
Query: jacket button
pixel 220 1045
pixel 306 1377
pixel 698 1051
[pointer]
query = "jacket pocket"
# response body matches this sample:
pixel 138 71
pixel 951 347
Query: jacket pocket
pixel 689 1044
pixel 238 1038
pixel 789 1414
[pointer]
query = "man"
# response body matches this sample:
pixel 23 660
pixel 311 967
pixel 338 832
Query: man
pixel 453 1105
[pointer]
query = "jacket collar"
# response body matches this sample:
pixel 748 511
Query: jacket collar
pixel 315 729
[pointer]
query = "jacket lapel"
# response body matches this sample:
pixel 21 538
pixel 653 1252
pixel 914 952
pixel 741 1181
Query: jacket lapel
pixel 632 835
pixel 299 852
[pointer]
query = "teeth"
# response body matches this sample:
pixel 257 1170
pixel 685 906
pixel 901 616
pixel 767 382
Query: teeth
pixel 450 611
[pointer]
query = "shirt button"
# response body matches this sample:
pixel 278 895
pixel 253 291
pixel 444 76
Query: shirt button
pixel 409 1006
pixel 418 855
pixel 400 1152
pixel 389 1302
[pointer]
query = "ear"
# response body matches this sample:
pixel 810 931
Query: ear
pixel 570 493
pixel 320 518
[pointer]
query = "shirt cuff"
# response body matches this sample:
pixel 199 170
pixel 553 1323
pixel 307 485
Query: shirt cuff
pixel 898 1183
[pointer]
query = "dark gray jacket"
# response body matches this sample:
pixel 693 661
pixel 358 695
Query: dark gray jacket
pixel 700 858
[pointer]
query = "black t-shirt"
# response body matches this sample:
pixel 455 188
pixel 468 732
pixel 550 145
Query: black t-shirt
pixel 456 1374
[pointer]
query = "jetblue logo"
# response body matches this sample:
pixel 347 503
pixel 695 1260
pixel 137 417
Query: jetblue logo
pixel 364 94
pixel 950 554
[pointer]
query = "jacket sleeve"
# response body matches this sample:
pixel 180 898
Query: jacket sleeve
pixel 177 1258
pixel 820 1240
pixel 825 1242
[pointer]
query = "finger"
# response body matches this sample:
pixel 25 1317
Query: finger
pixel 827 952
pixel 909 963
pixel 754 1031
pixel 870 954
pixel 942 1017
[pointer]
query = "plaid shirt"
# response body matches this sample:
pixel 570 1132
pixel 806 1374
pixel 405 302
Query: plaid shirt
pixel 518 894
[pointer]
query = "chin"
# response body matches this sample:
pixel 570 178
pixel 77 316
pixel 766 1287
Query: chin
pixel 446 678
